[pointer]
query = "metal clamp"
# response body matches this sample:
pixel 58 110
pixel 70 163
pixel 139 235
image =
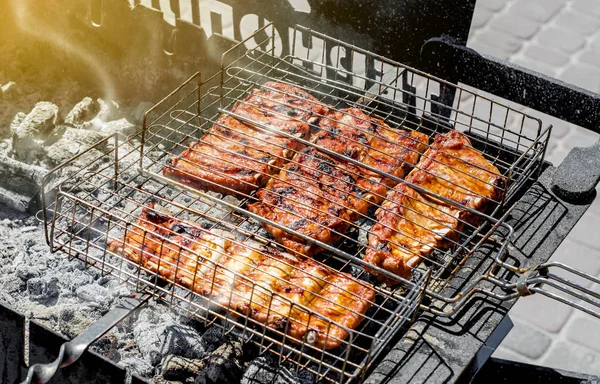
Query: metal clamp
pixel 72 350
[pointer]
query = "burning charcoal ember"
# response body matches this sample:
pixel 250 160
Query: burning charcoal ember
pixel 180 368
pixel 212 339
pixel 109 110
pixel 122 127
pixel 43 289
pixel 72 142
pixel 160 334
pixel 265 370
pixel 83 112
pixel 223 365
pixel 28 137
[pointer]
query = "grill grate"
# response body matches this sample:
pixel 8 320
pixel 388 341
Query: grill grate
pixel 102 203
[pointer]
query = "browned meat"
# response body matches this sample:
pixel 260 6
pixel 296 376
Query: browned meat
pixel 271 287
pixel 411 224
pixel 313 195
pixel 235 157
pixel 319 195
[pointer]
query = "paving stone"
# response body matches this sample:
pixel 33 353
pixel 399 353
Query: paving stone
pixel 516 26
pixel 504 353
pixel 590 56
pixel 569 42
pixel 527 340
pixel 564 355
pixel 588 6
pixel 585 330
pixel 493 5
pixel 481 16
pixel 546 55
pixel 583 75
pixel 536 65
pixel 578 21
pixel 580 137
pixel 586 230
pixel 547 314
pixel 579 256
pixel 540 11
pixel 507 43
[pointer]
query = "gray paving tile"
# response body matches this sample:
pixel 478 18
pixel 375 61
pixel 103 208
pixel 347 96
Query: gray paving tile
pixel 504 353
pixel 567 41
pixel 589 6
pixel 481 16
pixel 542 312
pixel 578 21
pixel 494 5
pixel 547 55
pixel 570 356
pixel 517 26
pixel 583 75
pixel 507 43
pixel 585 330
pixel 580 256
pixel 540 11
pixel 526 340
pixel 586 230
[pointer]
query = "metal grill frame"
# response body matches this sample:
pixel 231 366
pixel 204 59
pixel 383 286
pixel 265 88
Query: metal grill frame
pixel 81 225
pixel 194 106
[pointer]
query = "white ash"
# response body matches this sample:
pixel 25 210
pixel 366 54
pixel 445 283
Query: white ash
pixel 83 112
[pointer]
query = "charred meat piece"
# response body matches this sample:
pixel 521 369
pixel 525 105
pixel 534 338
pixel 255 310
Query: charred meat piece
pixel 372 142
pixel 411 224
pixel 319 195
pixel 313 195
pixel 305 299
pixel 236 157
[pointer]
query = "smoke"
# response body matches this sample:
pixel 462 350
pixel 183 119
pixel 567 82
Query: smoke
pixel 37 27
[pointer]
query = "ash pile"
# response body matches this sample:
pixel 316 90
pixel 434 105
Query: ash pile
pixel 67 296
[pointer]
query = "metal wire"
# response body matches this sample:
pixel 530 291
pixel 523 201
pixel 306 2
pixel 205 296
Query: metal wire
pixel 81 219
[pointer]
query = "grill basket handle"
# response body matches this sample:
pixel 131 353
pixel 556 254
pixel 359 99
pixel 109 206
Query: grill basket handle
pixel 550 279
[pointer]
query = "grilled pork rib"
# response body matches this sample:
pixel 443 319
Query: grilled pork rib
pixel 235 157
pixel 307 300
pixel 319 195
pixel 411 224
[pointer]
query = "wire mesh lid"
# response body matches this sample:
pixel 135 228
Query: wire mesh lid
pixel 275 159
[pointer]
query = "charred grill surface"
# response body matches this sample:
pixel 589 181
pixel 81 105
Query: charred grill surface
pixel 235 157
pixel 305 299
pixel 411 224
pixel 319 195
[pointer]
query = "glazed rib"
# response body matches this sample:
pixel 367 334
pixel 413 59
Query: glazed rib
pixel 320 195
pixel 305 299
pixel 411 224
pixel 235 157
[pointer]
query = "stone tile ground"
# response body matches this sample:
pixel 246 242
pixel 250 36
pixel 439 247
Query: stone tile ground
pixel 560 38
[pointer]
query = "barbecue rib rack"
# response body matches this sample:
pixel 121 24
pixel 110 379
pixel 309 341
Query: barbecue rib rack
pixel 97 197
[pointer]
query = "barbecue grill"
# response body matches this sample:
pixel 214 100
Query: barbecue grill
pixel 454 299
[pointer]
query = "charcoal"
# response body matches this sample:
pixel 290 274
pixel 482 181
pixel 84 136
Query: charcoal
pixel 83 112
pixel 27 140
pixel 17 120
pixel 140 110
pixel 42 289
pixel 137 365
pixel 223 365
pixel 264 370
pixel 212 339
pixel 180 368
pixel 72 142
pixel 109 110
pixel 94 294
pixel 158 335
pixel 121 127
